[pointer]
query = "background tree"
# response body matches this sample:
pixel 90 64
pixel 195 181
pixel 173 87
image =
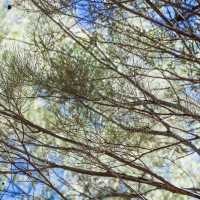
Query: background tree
pixel 104 104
